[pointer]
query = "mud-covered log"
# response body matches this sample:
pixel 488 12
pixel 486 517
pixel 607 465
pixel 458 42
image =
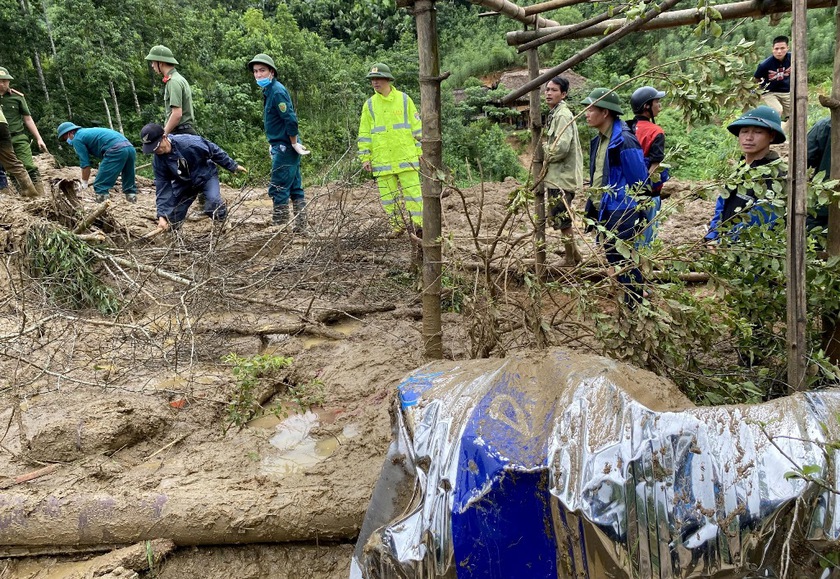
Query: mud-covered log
pixel 226 516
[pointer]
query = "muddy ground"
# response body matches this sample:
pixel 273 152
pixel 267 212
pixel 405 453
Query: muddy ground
pixel 117 428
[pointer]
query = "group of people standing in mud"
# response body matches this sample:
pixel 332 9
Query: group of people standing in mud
pixel 625 164
pixel 185 163
pixel 625 158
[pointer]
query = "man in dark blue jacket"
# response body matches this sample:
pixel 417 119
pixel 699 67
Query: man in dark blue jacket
pixel 819 158
pixel 185 166
pixel 751 204
pixel 281 130
pixel 617 166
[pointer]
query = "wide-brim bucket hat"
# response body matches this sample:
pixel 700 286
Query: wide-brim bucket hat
pixel 605 99
pixel 262 58
pixel 160 53
pixel 66 127
pixel 763 117
pixel 380 70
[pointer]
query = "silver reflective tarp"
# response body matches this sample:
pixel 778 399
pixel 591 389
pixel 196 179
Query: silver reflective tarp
pixel 565 465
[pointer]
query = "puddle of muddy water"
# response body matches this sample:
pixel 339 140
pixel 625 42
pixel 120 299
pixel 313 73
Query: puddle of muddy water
pixel 345 327
pixel 298 449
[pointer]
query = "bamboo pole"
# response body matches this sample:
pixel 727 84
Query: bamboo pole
pixel 552 5
pixel 677 18
pixel 515 12
pixel 798 188
pixel 566 31
pixel 588 51
pixel 430 105
pixel 537 164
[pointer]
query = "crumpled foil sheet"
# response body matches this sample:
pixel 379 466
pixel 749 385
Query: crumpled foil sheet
pixel 567 465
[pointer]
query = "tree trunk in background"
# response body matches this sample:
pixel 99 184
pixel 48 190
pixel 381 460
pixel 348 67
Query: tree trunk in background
pixel 113 92
pixel 108 113
pixel 45 7
pixel 431 169
pixel 36 58
pixel 134 94
pixel 116 106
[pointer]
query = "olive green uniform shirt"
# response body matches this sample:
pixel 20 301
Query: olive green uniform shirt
pixel 601 159
pixel 177 93
pixel 14 108
pixel 562 153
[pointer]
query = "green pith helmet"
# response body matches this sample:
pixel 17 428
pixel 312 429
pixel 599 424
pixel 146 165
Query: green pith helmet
pixel 603 98
pixel 763 117
pixel 380 70
pixel 160 53
pixel 65 128
pixel 262 59
pixel 4 74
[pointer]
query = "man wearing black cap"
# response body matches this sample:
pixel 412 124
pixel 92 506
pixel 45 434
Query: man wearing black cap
pixel 185 166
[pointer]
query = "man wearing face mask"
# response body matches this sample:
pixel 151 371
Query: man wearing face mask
pixel 117 156
pixel 281 130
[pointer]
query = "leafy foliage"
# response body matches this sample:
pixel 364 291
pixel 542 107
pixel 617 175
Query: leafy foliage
pixel 302 397
pixel 249 372
pixel 477 146
pixel 64 266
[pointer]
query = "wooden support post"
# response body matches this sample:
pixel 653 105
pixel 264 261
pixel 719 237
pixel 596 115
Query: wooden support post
pixel 798 190
pixel 431 165
pixel 831 329
pixel 588 51
pixel 537 164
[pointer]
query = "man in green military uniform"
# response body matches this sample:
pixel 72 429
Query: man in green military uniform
pixel 20 120
pixel 177 95
pixel 11 162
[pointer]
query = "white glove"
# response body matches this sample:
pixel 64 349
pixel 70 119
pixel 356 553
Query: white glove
pixel 270 154
pixel 301 150
pixel 84 184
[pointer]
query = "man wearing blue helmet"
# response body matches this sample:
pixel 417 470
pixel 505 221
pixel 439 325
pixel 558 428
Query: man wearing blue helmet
pixel 742 207
pixel 117 156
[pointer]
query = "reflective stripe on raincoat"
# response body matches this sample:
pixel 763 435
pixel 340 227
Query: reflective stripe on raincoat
pixel 389 133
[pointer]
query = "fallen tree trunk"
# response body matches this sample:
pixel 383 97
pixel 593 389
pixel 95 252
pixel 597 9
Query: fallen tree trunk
pixel 187 517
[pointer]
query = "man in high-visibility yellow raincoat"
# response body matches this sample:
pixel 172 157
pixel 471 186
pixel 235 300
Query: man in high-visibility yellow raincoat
pixel 389 146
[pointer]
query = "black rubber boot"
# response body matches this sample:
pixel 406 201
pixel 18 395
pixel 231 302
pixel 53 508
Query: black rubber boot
pixel 300 215
pixel 281 214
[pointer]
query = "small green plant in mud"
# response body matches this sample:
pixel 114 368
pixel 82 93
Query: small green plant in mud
pixel 249 371
pixel 301 396
pixel 63 264
pixel 454 292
